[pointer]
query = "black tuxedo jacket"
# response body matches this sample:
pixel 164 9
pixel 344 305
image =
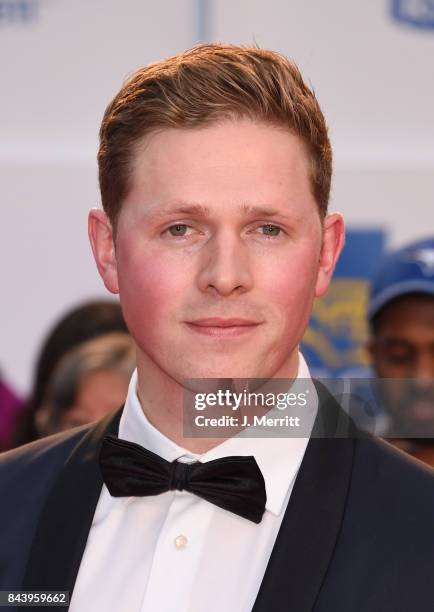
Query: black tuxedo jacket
pixel 357 535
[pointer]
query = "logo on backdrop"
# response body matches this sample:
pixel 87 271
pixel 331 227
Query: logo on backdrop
pixel 418 13
pixel 15 12
pixel 334 343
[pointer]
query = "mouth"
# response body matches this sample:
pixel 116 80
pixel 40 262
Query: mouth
pixel 223 328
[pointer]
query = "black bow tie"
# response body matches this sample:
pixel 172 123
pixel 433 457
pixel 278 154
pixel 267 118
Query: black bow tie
pixel 232 483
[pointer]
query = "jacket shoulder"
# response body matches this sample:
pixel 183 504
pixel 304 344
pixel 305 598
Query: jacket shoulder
pixel 41 459
pixel 391 497
pixel 384 554
pixel 392 473
pixel 27 474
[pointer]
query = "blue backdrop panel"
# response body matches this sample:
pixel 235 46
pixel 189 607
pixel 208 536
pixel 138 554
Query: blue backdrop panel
pixel 334 341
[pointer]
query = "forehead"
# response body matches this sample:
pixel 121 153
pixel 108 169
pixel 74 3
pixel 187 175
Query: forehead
pixel 238 162
pixel 410 317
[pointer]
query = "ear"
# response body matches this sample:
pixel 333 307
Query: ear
pixel 103 248
pixel 332 244
pixel 370 348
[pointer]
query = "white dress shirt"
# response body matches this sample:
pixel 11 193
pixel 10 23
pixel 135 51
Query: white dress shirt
pixel 176 552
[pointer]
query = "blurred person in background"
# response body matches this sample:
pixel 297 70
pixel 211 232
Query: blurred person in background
pixel 10 408
pixel 81 323
pixel 401 346
pixel 88 382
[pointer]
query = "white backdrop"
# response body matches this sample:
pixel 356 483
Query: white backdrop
pixel 60 67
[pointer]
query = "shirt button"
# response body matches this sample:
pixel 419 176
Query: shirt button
pixel 180 542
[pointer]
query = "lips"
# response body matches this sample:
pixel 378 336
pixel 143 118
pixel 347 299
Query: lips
pixel 223 328
pixel 217 322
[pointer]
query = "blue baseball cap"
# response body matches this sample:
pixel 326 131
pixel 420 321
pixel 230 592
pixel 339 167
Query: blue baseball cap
pixel 408 270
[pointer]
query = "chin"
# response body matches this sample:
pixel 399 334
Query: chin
pixel 226 371
pixel 219 368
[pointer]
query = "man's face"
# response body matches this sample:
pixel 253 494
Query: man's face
pixel 218 252
pixel 403 349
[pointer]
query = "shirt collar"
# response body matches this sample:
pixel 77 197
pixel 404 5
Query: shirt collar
pixel 279 458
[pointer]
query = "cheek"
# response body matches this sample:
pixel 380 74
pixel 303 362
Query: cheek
pixel 149 288
pixel 393 392
pixel 387 370
pixel 290 284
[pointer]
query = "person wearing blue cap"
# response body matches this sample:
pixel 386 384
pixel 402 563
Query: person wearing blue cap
pixel 401 317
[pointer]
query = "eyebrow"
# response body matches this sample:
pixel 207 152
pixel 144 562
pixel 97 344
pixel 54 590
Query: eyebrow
pixel 200 210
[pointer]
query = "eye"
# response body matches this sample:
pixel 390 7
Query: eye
pixel 180 229
pixel 397 359
pixel 398 354
pixel 270 230
pixel 182 233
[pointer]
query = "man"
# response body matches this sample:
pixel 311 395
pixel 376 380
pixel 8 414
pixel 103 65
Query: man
pixel 401 316
pixel 215 169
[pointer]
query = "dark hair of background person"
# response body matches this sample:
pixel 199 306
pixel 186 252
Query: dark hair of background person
pixel 81 323
pixel 68 401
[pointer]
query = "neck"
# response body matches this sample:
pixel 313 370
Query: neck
pixel 162 400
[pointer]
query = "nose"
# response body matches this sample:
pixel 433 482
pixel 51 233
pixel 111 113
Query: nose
pixel 225 266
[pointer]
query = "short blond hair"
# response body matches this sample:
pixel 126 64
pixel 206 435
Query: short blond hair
pixel 201 86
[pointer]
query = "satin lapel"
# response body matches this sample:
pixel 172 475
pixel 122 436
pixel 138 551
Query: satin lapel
pixel 66 518
pixel 310 527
